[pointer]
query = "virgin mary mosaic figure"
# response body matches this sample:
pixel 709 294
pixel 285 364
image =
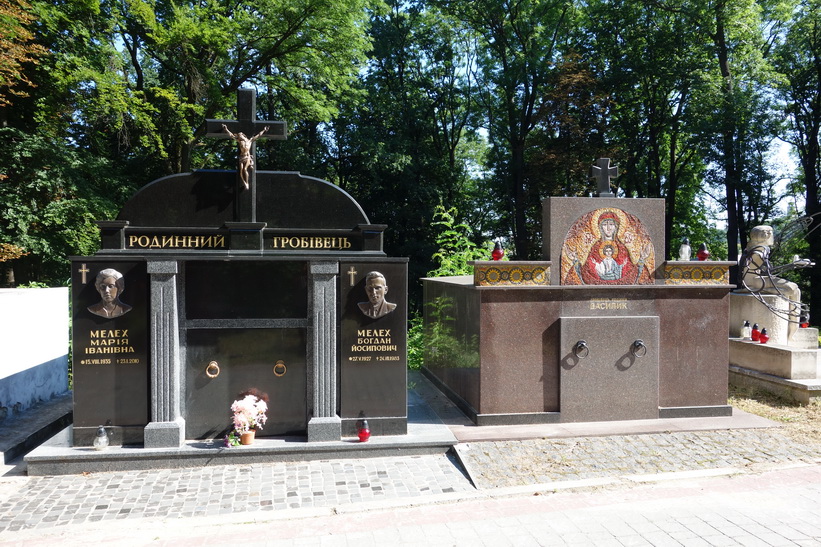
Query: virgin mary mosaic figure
pixel 607 247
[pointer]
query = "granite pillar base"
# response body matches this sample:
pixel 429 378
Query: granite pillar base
pixel 324 429
pixel 164 434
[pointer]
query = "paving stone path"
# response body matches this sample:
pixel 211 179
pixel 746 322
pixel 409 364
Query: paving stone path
pixel 516 463
pixel 28 503
pixel 221 490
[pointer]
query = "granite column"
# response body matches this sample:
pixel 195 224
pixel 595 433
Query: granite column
pixel 167 426
pixel 324 424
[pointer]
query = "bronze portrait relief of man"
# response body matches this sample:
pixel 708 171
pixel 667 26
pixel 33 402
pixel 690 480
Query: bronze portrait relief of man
pixel 376 287
pixel 110 284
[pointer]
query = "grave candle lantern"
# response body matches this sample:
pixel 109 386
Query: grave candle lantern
pixel 746 331
pixel 498 252
pixel 101 439
pixel 755 333
pixel 763 337
pixel 364 431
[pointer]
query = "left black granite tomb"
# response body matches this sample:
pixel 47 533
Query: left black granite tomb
pixel 227 288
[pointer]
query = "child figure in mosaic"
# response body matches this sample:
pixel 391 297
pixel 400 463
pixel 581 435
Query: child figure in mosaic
pixel 608 268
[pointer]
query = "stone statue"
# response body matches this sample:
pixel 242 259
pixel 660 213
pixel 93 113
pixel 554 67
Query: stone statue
pixel 376 288
pixel 110 284
pixel 246 159
pixel 760 277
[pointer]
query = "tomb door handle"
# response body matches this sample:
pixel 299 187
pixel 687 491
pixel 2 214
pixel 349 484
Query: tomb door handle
pixel 581 349
pixel 639 348
pixel 280 369
pixel 212 370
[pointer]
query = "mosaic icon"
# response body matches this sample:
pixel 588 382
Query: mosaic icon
pixel 607 247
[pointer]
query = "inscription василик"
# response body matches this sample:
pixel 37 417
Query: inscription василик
pixel 608 304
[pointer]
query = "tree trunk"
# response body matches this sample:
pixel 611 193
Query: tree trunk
pixel 8 275
pixel 670 198
pixel 728 133
pixel 520 234
pixel 809 164
pixel 654 160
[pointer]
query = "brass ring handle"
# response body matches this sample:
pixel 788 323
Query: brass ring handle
pixel 212 370
pixel 280 369
pixel 639 348
pixel 581 349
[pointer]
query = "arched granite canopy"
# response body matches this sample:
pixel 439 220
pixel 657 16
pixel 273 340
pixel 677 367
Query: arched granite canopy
pixel 206 199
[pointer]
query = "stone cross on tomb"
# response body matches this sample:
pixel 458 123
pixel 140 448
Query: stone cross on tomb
pixel 246 130
pixel 603 172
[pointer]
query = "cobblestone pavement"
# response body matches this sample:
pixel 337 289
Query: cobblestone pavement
pixel 515 463
pixel 43 502
pixel 770 508
pixel 251 492
pixel 775 508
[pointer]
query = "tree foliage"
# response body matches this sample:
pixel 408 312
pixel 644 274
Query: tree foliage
pixel 17 49
pixel 129 83
pixel 483 107
pixel 52 194
pixel 139 77
pixel 517 50
pixel 410 142
pixel 799 60
pixel 456 246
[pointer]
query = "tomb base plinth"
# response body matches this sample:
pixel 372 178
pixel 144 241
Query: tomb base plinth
pixel 555 354
pixel 801 391
pixel 805 339
pixel 775 359
pixel 770 314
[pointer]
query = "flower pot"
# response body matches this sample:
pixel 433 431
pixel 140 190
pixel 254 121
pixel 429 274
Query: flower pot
pixel 247 437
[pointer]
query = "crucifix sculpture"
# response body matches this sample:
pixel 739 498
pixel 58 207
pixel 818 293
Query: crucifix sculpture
pixel 246 158
pixel 603 172
pixel 246 130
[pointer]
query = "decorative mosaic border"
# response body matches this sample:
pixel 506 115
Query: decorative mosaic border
pixel 510 273
pixel 697 273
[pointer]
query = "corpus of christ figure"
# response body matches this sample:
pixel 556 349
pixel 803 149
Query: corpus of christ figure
pixel 246 159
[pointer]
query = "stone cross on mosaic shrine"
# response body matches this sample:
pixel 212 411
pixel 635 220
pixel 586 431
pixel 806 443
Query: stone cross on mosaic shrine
pixel 602 172
pixel 252 129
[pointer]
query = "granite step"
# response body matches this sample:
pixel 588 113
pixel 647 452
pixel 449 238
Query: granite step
pixel 26 431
